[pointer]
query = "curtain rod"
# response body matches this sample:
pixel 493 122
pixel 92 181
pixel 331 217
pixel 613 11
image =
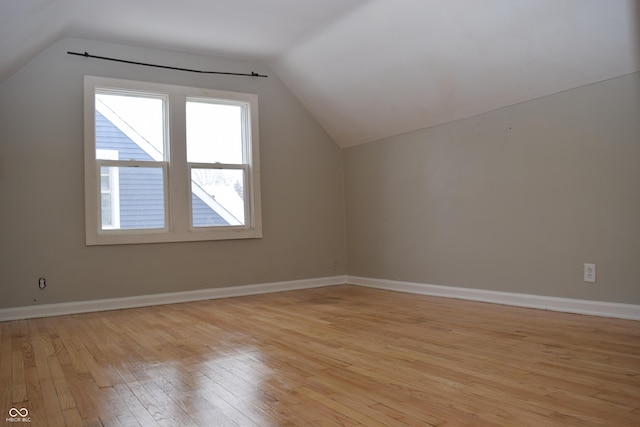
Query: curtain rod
pixel 87 55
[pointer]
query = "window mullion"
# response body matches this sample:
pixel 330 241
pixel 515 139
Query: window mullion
pixel 179 190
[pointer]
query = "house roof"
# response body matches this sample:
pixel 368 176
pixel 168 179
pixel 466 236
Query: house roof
pixel 366 69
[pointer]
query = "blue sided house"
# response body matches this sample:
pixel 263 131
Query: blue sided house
pixel 133 197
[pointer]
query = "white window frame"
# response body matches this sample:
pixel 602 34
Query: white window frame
pixel 177 171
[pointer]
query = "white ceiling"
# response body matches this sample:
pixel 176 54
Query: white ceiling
pixel 366 69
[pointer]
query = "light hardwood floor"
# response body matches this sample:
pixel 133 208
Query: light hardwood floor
pixel 339 356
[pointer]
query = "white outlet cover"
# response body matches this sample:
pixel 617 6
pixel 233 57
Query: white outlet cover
pixel 590 273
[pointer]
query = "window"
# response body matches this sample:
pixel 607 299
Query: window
pixel 168 163
pixel 109 191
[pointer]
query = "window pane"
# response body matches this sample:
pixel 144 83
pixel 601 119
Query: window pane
pixel 136 198
pixel 217 197
pixel 107 211
pixel 214 133
pixel 105 180
pixel 131 126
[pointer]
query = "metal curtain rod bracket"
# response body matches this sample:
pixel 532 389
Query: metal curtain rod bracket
pixel 87 55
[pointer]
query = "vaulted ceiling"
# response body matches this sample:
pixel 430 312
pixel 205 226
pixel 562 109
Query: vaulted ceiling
pixel 366 69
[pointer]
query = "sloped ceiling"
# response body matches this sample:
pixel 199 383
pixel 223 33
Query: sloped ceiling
pixel 366 69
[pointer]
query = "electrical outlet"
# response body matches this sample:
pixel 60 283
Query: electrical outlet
pixel 42 283
pixel 590 273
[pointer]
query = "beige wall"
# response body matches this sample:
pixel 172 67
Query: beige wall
pixel 513 200
pixel 41 188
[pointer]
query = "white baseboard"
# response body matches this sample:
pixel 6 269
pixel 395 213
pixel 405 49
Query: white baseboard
pixel 594 308
pixel 46 310
pixel 568 305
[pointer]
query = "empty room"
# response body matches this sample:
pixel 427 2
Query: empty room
pixel 335 213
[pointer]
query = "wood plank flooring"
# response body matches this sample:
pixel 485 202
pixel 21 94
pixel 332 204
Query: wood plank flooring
pixel 335 356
